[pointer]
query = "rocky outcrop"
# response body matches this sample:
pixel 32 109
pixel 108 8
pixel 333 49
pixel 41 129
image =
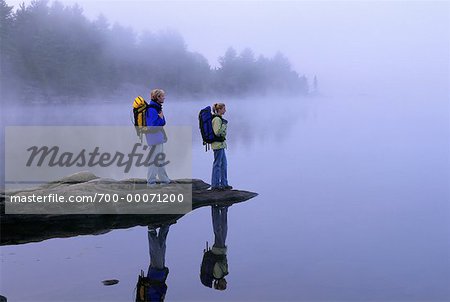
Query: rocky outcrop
pixel 24 228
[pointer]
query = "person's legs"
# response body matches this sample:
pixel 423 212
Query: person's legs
pixel 153 247
pixel 151 174
pixel 162 174
pixel 157 246
pixel 220 225
pixel 223 170
pixel 215 179
pixel 153 170
pixel 163 231
pixel 224 222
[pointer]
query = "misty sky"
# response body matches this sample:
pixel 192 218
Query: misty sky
pixel 352 46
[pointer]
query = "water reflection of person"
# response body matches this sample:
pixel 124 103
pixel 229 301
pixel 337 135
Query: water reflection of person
pixel 220 227
pixel 155 287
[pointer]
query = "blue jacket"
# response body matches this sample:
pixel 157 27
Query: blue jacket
pixel 158 287
pixel 155 136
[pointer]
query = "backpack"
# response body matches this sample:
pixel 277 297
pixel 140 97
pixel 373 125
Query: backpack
pixel 205 118
pixel 207 268
pixel 140 107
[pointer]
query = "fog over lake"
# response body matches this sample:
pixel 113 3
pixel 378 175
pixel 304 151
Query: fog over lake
pixel 353 180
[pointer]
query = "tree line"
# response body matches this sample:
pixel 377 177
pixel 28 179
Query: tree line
pixel 54 50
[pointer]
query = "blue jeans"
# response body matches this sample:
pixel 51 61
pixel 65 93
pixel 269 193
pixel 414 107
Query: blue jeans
pixel 220 225
pixel 219 172
pixel 157 246
pixel 154 171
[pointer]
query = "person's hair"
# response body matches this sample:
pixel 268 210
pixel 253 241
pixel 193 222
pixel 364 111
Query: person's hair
pixel 217 106
pixel 156 93
pixel 220 284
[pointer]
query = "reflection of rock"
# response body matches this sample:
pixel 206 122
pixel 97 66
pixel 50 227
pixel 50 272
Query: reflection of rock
pixel 110 282
pixel 18 229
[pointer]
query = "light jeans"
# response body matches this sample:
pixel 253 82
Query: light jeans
pixel 219 172
pixel 220 225
pixel 154 171
pixel 157 246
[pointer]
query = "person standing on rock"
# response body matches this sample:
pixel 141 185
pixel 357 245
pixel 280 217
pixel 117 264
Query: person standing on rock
pixel 156 136
pixel 219 179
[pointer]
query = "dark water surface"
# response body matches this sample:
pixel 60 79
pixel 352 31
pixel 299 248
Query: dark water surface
pixel 353 205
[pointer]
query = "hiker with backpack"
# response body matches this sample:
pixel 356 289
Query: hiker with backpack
pixel 214 266
pixel 213 128
pixel 219 179
pixel 155 135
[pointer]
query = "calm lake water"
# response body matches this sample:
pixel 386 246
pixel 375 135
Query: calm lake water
pixel 353 205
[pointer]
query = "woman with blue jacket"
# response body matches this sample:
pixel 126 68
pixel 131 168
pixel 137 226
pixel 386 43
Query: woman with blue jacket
pixel 156 137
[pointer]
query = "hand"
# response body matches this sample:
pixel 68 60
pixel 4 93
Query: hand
pixel 160 114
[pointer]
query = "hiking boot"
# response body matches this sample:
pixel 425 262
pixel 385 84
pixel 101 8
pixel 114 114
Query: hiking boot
pixel 228 188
